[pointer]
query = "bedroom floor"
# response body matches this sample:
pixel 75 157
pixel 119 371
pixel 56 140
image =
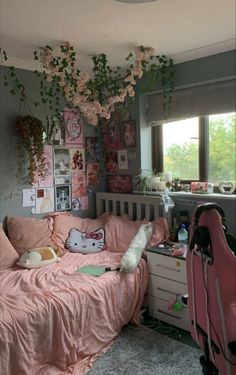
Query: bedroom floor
pixel 143 350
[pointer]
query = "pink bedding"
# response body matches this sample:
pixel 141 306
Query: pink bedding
pixel 56 321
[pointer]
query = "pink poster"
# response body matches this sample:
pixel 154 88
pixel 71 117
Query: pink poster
pixel 77 162
pixel 111 132
pixel 74 128
pixel 92 174
pixel 48 179
pixel 79 188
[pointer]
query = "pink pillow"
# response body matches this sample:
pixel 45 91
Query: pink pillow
pixel 120 231
pixel 26 233
pixel 65 221
pixel 8 255
pixel 160 232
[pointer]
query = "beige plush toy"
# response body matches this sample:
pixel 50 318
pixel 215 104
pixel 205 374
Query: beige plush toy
pixel 38 257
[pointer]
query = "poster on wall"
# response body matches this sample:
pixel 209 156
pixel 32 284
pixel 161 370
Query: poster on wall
pixel 44 200
pixel 92 174
pixel 111 132
pixel 77 162
pixel 119 183
pixel 74 128
pixel 129 133
pixel 47 180
pixel 56 129
pixel 111 162
pixel 28 197
pixel 123 159
pixel 62 197
pixel 79 188
pixel 92 149
pixel 61 161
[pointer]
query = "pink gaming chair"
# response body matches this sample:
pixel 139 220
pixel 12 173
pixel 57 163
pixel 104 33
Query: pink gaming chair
pixel 211 275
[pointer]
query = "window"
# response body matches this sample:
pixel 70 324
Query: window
pixel 199 148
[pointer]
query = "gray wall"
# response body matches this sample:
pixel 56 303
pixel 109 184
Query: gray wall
pixel 204 69
pixel 11 182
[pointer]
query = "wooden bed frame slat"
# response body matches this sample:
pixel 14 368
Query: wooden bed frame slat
pixel 137 207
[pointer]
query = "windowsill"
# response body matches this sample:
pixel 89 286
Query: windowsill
pixel 189 194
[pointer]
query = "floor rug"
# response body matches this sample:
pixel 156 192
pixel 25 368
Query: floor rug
pixel 144 351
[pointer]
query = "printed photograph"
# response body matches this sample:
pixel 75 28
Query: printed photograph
pixel 111 133
pixel 119 183
pixel 92 149
pixel 92 174
pixel 77 162
pixel 56 129
pixel 61 162
pixel 63 197
pixel 111 162
pixel 44 200
pixel 129 133
pixel 47 179
pixel 74 128
pixel 122 159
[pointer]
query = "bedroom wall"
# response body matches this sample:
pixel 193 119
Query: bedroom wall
pixel 11 182
pixel 212 67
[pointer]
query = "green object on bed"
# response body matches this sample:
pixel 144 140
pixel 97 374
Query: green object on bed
pixel 92 270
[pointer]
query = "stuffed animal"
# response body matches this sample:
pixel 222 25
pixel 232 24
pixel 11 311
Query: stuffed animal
pixel 38 257
pixel 131 257
pixel 85 243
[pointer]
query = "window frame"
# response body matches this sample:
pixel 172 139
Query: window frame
pixel 158 155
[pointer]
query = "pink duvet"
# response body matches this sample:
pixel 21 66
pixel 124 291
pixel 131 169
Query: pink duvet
pixel 56 321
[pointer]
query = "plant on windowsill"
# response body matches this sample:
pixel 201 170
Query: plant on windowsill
pixel 148 180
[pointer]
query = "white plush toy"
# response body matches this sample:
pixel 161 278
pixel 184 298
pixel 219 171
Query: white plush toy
pixel 131 257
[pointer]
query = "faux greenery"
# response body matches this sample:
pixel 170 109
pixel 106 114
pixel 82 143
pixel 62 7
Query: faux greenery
pixel 31 131
pixel 95 95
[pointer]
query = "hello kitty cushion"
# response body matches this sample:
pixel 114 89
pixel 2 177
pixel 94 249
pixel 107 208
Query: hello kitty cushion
pixel 85 243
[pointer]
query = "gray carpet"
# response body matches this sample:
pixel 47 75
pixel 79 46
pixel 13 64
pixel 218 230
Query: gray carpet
pixel 143 351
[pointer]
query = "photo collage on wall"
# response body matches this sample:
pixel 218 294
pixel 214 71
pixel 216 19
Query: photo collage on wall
pixel 119 137
pixel 72 166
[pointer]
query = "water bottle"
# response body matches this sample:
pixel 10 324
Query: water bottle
pixel 183 235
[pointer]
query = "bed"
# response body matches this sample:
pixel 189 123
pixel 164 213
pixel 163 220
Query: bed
pixel 55 320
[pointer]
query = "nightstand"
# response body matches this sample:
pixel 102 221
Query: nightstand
pixel 167 284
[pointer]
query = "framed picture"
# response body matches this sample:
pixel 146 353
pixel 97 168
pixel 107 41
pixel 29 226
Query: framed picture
pixel 77 162
pixel 64 180
pixel 62 197
pixel 74 128
pixel 92 149
pixel 56 129
pixel 61 162
pixel 129 133
pixel 123 159
pixel 119 183
pixel 111 132
pixel 111 162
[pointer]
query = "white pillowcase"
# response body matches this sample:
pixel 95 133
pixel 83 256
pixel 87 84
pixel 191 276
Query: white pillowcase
pixel 131 257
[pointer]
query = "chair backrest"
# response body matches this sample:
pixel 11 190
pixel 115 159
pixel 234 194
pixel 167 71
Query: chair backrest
pixel 211 275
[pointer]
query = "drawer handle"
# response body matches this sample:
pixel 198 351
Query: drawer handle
pixel 173 316
pixel 168 268
pixel 165 290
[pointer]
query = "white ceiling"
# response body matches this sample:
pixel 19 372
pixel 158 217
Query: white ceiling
pixel 182 29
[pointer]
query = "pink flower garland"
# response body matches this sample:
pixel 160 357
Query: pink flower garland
pixel 75 89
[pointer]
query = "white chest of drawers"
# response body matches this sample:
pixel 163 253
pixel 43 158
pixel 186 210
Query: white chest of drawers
pixel 167 283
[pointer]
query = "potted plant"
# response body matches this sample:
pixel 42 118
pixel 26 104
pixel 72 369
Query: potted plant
pixel 31 133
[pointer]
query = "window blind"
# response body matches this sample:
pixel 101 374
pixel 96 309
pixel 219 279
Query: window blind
pixel 194 101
